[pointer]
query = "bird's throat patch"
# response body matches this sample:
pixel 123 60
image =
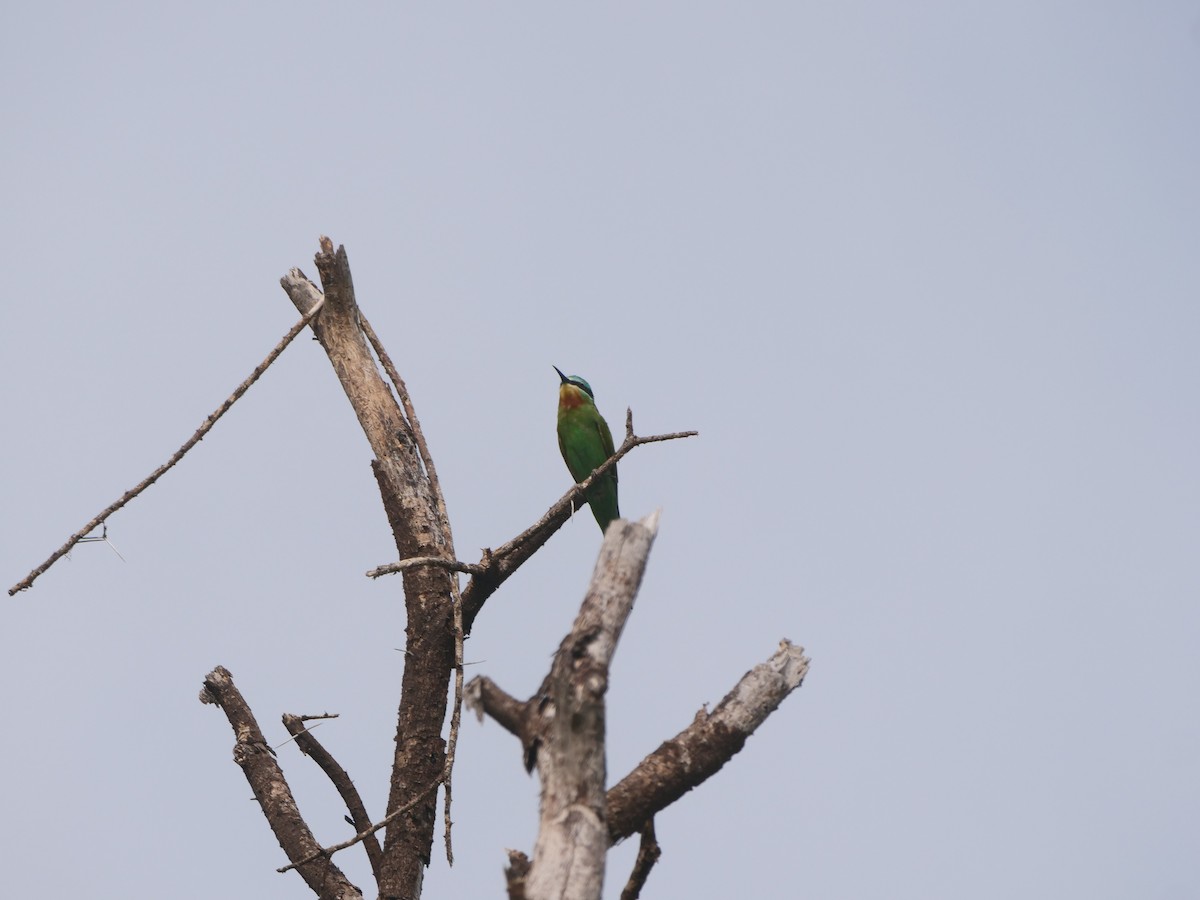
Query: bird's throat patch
pixel 570 396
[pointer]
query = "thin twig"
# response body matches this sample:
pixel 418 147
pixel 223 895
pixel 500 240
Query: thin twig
pixel 410 413
pixel 455 717
pixel 436 562
pixel 367 832
pixel 294 737
pixel 204 428
pixel 103 536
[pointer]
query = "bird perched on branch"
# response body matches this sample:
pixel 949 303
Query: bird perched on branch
pixel 586 442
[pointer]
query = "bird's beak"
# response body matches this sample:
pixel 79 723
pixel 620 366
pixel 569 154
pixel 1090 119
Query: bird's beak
pixel 564 378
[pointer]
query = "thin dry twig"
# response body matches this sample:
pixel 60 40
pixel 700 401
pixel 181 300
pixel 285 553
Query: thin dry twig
pixel 279 746
pixel 204 428
pixel 436 562
pixel 455 718
pixel 410 413
pixel 367 832
pixel 313 748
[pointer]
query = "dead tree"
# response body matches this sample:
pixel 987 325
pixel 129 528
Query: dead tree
pixel 560 728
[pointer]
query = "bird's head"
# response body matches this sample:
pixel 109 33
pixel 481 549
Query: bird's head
pixel 573 390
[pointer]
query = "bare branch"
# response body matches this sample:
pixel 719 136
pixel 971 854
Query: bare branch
pixel 648 854
pixel 271 790
pixel 204 429
pixel 700 750
pixel 567 718
pixel 311 747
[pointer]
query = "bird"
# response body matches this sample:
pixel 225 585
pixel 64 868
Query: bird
pixel 585 443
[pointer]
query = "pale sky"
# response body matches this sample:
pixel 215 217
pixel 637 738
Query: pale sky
pixel 924 277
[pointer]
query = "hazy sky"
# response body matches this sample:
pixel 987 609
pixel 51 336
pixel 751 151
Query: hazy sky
pixel 923 276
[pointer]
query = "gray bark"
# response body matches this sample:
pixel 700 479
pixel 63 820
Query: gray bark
pixel 568 858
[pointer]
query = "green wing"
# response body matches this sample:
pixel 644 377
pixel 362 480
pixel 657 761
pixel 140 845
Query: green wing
pixel 586 442
pixel 606 443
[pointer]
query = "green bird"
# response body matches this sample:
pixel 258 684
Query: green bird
pixel 586 442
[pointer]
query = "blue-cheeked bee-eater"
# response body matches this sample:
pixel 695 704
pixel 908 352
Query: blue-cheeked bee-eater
pixel 586 442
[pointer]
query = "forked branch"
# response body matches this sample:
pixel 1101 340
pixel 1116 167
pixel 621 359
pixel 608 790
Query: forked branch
pixel 271 790
pixel 679 764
